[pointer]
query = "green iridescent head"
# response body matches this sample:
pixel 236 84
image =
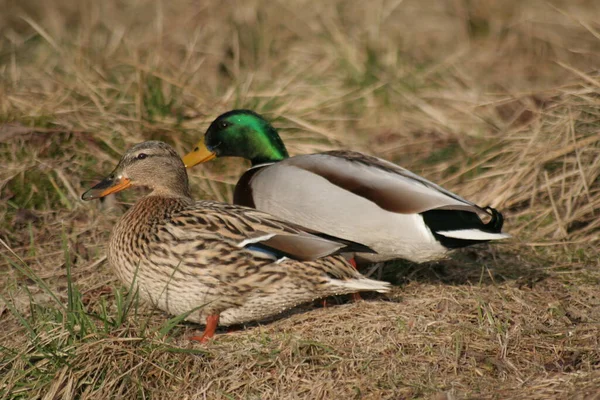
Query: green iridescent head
pixel 239 133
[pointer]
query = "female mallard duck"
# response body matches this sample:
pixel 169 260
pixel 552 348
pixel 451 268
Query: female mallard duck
pixel 218 262
pixel 346 194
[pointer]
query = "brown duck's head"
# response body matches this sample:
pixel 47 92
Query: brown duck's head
pixel 154 165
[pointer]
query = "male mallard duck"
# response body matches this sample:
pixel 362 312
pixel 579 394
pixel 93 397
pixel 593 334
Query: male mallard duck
pixel 231 263
pixel 346 194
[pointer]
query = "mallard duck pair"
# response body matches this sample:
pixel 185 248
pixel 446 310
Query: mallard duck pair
pixel 280 245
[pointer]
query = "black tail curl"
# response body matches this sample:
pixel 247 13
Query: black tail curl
pixel 495 224
pixel 451 220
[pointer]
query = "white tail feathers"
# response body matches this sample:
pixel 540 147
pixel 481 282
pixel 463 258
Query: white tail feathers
pixel 473 234
pixel 362 284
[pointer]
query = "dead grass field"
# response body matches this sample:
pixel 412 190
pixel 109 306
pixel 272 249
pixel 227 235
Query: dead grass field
pixel 496 100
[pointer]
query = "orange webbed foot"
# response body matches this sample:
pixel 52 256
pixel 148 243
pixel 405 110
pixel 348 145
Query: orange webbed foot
pixel 212 321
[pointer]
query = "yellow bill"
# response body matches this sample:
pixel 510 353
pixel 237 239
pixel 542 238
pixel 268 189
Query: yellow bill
pixel 199 155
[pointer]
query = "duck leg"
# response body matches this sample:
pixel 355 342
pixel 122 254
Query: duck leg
pixel 355 296
pixel 212 321
pixel 352 262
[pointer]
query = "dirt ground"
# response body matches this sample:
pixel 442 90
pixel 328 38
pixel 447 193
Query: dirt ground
pixel 496 101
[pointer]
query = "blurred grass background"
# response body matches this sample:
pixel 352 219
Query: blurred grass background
pixel 497 101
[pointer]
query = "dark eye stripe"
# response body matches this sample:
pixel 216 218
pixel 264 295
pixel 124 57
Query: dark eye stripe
pixel 145 156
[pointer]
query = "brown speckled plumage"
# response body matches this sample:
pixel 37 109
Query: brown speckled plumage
pixel 187 255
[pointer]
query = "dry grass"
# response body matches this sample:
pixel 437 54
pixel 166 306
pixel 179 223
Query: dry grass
pixel 496 100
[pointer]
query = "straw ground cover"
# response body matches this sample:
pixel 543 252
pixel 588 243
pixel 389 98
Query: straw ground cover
pixel 497 101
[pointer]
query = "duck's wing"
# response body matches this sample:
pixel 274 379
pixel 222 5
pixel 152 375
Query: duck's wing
pixel 256 230
pixel 388 185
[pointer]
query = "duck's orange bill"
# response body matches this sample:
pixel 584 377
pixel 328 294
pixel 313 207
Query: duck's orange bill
pixel 106 187
pixel 199 155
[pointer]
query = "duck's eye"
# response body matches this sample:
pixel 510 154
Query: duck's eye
pixel 224 124
pixel 141 156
